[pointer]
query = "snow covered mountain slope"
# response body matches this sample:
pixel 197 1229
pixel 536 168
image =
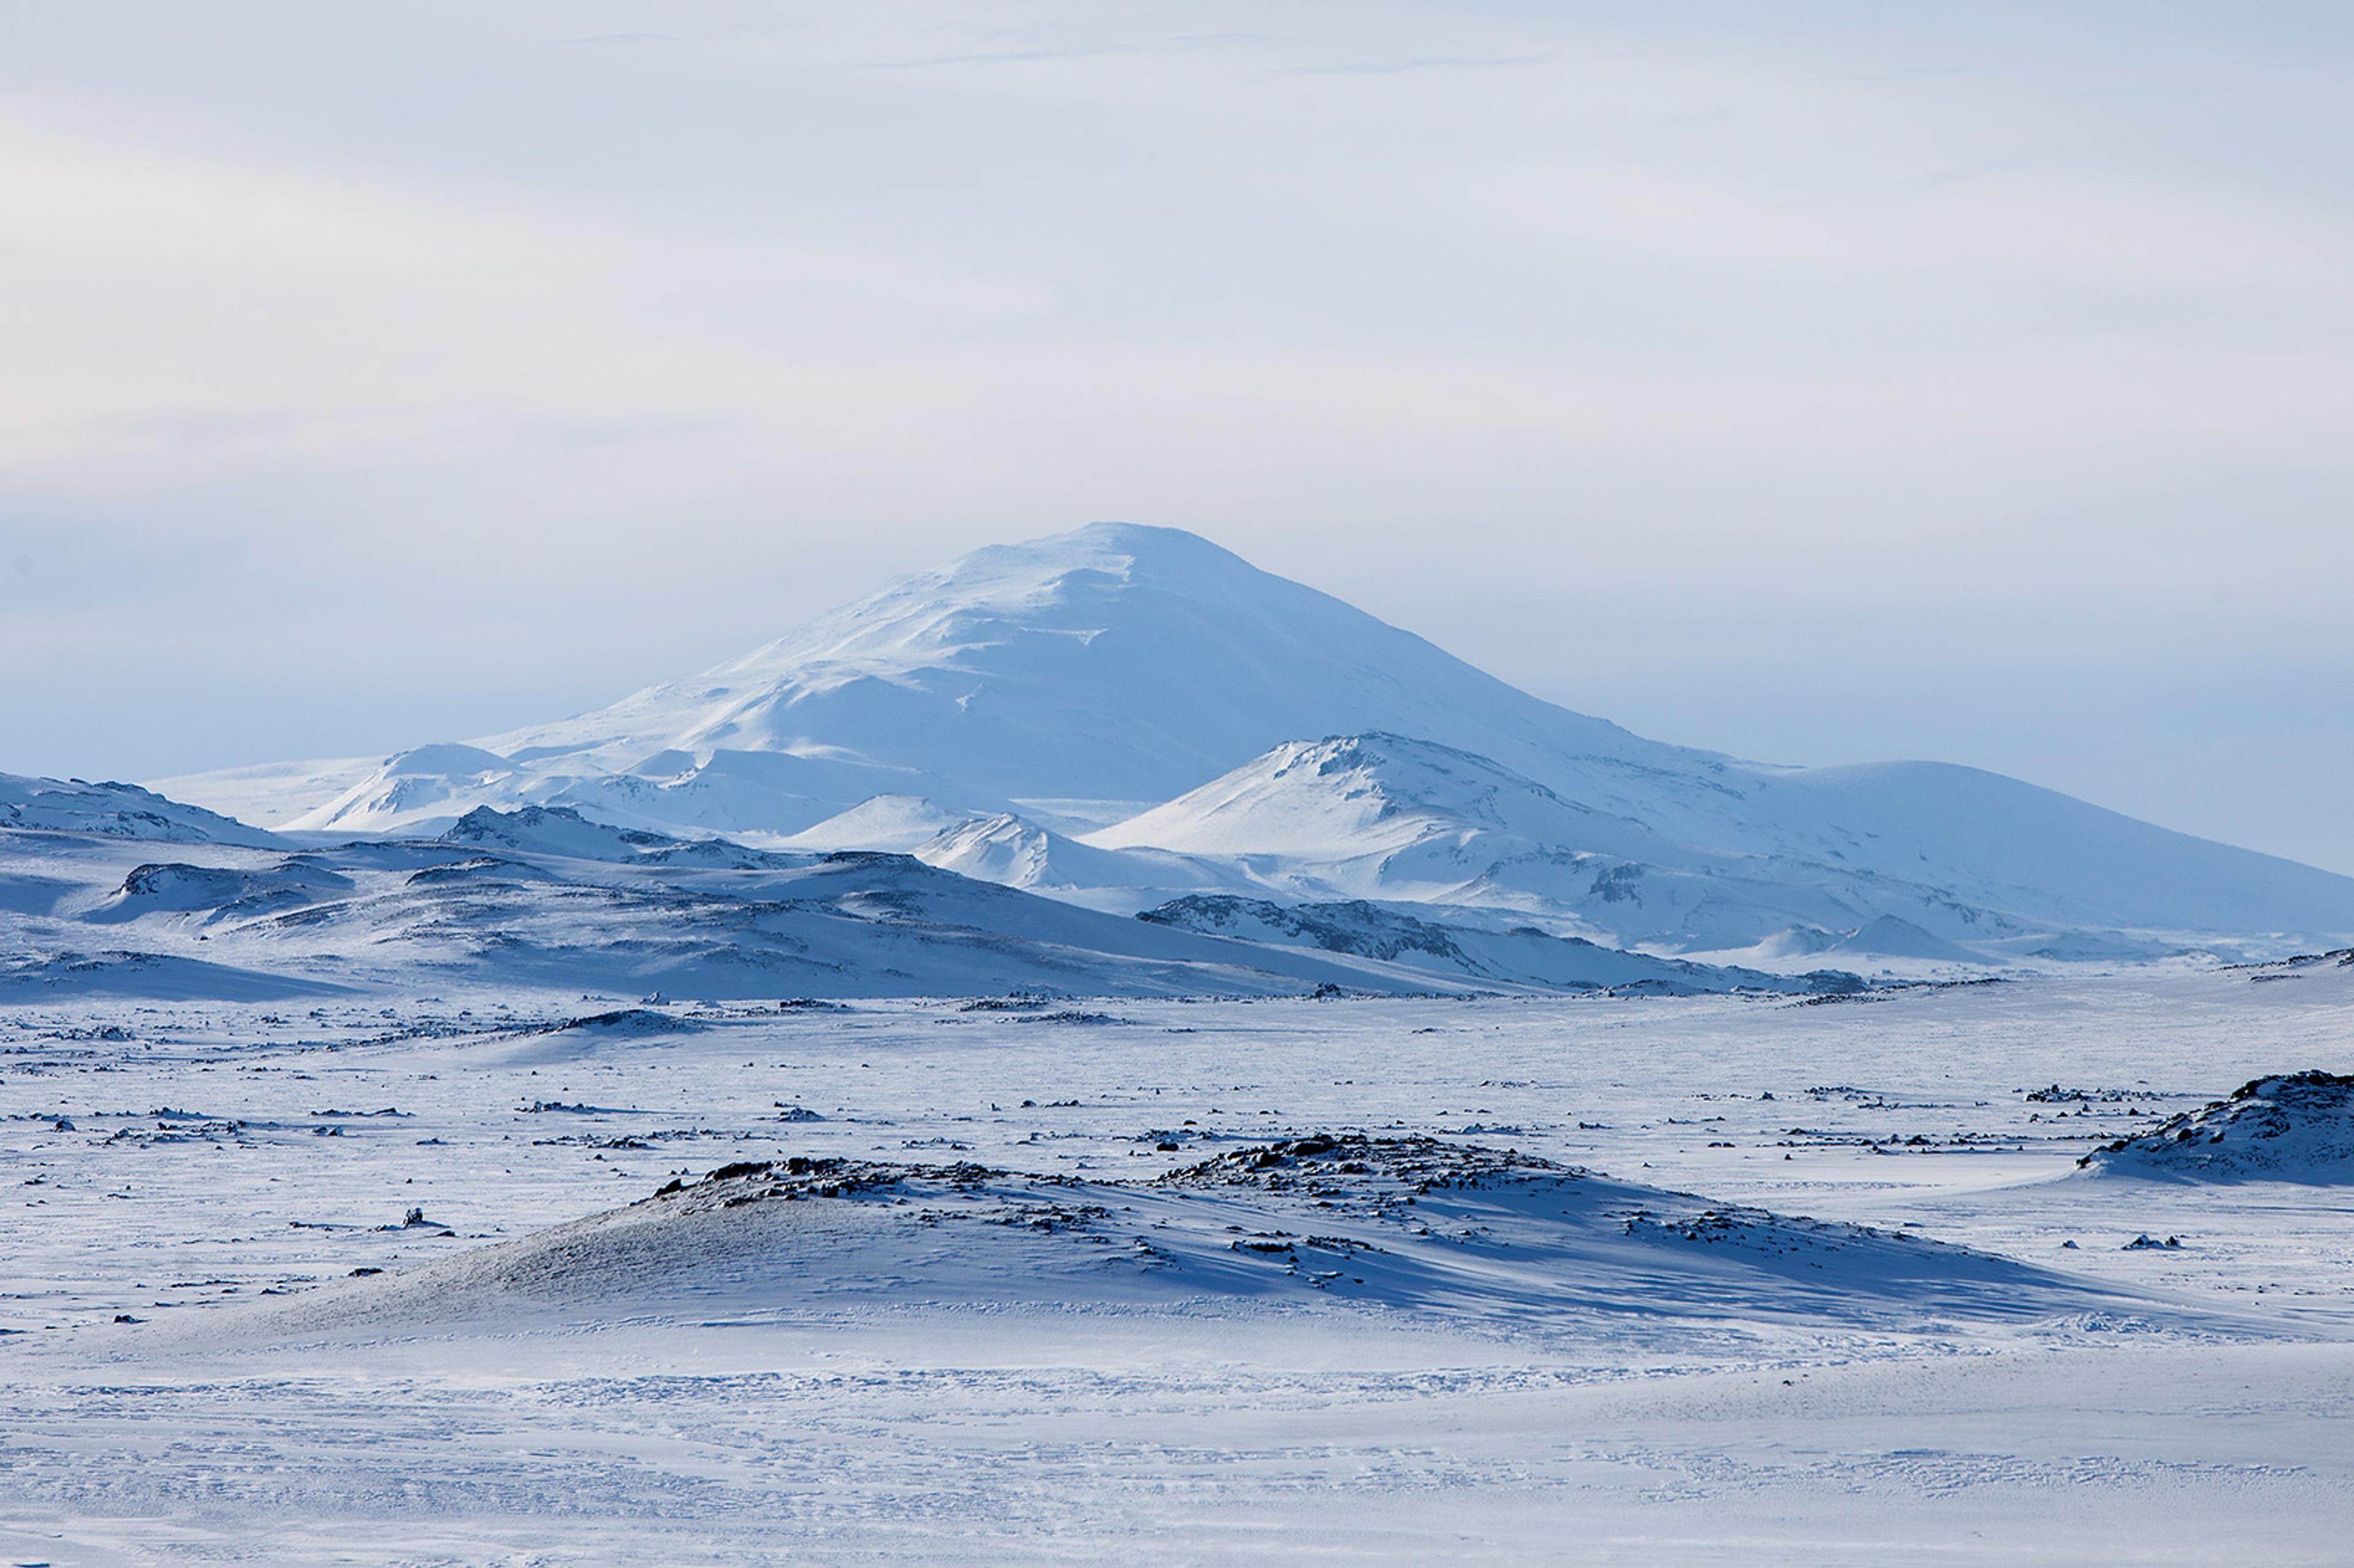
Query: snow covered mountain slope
pixel 419 786
pixel 1128 664
pixel 1912 859
pixel 1375 795
pixel 1393 818
pixel 1113 663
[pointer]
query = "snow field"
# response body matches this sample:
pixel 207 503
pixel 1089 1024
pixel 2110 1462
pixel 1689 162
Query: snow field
pixel 950 1398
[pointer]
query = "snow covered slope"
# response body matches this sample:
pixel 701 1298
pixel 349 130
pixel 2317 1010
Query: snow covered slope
pixel 1114 662
pixel 893 824
pixel 1120 663
pixel 1055 1349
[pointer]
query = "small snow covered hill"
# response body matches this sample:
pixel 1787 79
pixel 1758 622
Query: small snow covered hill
pixel 1416 1225
pixel 1123 715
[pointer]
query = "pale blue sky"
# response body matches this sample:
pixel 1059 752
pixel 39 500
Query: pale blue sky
pixel 1814 382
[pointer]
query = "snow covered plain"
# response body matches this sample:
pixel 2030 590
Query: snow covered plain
pixel 1020 1328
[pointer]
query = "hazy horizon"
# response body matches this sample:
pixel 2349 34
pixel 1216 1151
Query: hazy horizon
pixel 1967 384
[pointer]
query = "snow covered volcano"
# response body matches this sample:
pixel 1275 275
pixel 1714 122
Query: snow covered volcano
pixel 1115 664
pixel 1145 677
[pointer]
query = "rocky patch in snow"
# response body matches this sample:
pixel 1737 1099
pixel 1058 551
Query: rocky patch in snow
pixel 2298 1127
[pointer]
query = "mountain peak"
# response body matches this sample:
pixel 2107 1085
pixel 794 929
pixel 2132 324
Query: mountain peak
pixel 1116 661
pixel 1148 544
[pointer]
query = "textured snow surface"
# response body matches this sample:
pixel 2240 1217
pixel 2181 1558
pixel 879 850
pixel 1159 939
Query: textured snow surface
pixel 1302 750
pixel 397 1281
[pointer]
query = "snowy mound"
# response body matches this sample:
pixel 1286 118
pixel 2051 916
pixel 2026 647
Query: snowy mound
pixel 2296 1128
pixel 1016 852
pixel 219 892
pixel 2337 965
pixel 1890 938
pixel 563 831
pixel 1411 1224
